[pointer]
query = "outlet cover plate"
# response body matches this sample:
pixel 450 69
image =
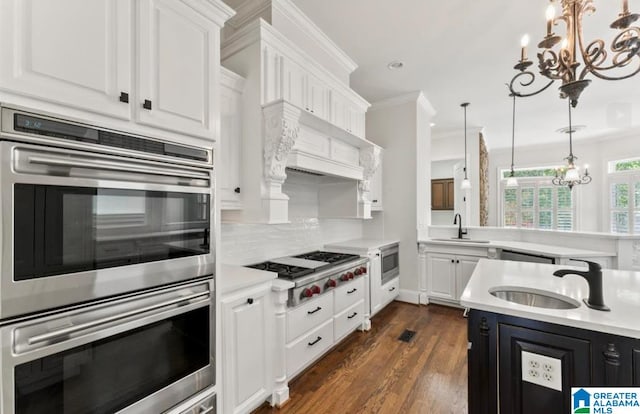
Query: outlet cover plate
pixel 542 370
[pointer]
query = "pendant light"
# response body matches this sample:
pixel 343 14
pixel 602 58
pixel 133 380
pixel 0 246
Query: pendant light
pixel 466 184
pixel 512 181
pixel 570 174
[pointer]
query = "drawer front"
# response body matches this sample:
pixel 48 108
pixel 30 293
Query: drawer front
pixel 310 346
pixel 348 320
pixel 348 294
pixel 390 290
pixel 310 314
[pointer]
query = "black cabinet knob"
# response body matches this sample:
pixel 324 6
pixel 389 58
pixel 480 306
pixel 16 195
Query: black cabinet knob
pixel 453 261
pixel 250 301
pixel 124 97
pixel 375 201
pixel 236 190
pixel 147 104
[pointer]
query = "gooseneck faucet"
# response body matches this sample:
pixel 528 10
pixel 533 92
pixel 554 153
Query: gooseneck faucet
pixel 594 278
pixel 457 219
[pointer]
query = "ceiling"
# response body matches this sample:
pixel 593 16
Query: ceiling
pixel 464 50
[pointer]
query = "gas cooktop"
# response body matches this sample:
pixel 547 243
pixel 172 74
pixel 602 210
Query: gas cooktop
pixel 304 264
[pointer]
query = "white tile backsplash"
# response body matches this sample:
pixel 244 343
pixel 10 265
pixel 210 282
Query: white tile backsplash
pixel 251 243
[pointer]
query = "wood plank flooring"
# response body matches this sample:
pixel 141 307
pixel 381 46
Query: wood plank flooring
pixel 374 372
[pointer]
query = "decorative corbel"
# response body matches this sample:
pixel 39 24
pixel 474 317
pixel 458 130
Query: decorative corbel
pixel 369 161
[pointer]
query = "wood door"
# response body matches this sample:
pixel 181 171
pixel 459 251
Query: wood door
pixel 449 201
pixel 442 194
pixel 75 53
pixel 178 54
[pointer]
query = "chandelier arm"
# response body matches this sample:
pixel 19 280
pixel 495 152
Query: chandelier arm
pixel 626 48
pixel 528 79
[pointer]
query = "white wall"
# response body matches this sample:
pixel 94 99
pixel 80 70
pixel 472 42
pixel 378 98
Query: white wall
pixel 243 243
pixel 592 199
pixel 401 126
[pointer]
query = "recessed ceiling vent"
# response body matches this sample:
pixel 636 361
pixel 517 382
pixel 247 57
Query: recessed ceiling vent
pixel 298 170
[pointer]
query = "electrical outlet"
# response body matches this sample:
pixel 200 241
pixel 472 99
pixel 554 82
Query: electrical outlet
pixel 542 370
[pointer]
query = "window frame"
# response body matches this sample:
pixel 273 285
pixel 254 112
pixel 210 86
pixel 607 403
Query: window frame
pixel 631 178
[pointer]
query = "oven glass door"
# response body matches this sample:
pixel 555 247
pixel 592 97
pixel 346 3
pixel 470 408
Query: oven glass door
pixel 65 229
pixel 113 373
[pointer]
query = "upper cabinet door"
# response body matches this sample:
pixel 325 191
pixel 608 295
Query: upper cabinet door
pixel 71 52
pixel 177 50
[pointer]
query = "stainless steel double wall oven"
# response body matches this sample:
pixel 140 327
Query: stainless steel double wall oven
pixel 106 285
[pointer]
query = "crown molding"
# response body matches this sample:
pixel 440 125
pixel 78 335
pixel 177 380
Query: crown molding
pixel 416 97
pixel 247 11
pixel 214 10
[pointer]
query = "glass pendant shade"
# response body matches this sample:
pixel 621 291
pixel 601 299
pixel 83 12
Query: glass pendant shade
pixel 466 184
pixel 572 174
pixel 512 182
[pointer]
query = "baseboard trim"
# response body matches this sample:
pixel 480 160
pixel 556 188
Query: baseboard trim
pixel 409 296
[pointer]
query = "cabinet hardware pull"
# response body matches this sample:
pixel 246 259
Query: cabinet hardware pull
pixel 318 339
pixel 392 289
pixel 206 410
pixel 236 190
pixel 457 261
pixel 147 104
pixel 314 311
pixel 453 261
pixel 375 201
pixel 124 97
pixel 352 316
pixel 250 301
pixel 351 291
pixel 465 314
pixel 377 254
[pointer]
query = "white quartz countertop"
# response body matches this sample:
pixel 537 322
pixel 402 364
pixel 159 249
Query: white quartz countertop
pixel 362 244
pixel 525 247
pixel 621 294
pixel 234 277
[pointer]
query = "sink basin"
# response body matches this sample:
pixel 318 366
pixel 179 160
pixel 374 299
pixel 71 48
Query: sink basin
pixel 534 297
pixel 462 240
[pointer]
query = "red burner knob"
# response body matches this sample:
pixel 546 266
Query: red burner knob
pixel 315 289
pixel 331 283
pixel 357 272
pixel 344 277
pixel 307 293
pixel 363 270
pixel 350 275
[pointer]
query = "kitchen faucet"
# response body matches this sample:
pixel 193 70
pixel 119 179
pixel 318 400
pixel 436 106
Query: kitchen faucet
pixel 457 219
pixel 594 278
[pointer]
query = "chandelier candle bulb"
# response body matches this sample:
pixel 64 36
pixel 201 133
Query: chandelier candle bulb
pixel 524 42
pixel 551 14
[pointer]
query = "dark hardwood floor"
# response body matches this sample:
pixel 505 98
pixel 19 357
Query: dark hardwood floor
pixel 374 372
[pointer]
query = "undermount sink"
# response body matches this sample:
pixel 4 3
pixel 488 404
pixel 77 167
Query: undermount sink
pixel 462 240
pixel 534 297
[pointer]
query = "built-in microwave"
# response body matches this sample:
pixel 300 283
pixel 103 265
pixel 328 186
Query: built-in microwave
pixel 89 213
pixel 390 262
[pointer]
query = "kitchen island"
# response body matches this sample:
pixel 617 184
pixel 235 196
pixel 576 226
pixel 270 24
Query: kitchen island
pixel 534 355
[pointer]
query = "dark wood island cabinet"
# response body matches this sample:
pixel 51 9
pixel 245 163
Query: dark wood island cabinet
pixel 498 342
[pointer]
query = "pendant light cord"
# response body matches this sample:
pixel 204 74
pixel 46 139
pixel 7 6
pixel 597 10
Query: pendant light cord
pixel 570 132
pixel 464 105
pixel 513 132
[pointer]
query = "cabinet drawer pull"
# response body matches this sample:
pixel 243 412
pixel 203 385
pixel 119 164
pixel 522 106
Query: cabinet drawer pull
pixel 318 339
pixel 124 97
pixel 351 291
pixel 206 410
pixel 236 190
pixel 147 104
pixel 352 316
pixel 375 201
pixel 457 261
pixel 392 289
pixel 250 301
pixel 314 311
pixel 453 261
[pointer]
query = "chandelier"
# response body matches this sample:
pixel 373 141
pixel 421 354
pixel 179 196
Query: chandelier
pixel 571 59
pixel 570 174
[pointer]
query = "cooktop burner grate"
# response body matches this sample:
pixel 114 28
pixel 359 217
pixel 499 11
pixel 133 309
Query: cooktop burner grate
pixel 283 270
pixel 329 257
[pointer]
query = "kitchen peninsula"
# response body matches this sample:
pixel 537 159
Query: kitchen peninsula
pixel 534 355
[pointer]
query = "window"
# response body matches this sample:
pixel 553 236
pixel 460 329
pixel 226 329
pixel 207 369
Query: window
pixel 536 203
pixel 624 196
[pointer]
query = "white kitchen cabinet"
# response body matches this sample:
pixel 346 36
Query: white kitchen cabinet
pixel 177 52
pixel 293 86
pixel 247 369
pixel 75 53
pixel 348 320
pixel 316 96
pixel 306 349
pixel 375 279
pixel 389 291
pixel 448 275
pixel 230 170
pixel 375 187
pixel 78 54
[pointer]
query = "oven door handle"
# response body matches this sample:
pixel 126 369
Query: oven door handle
pixel 182 301
pixel 116 166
